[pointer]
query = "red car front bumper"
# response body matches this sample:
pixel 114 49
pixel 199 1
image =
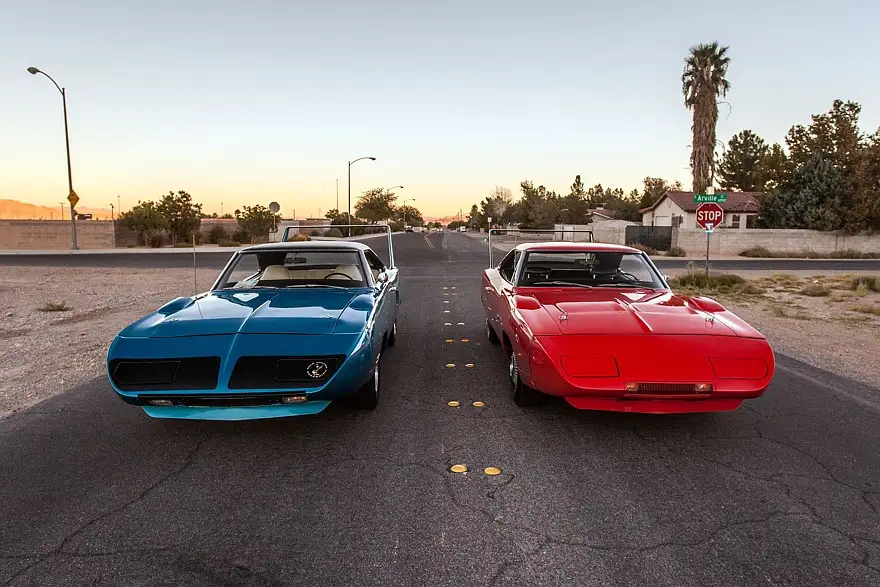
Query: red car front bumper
pixel 656 374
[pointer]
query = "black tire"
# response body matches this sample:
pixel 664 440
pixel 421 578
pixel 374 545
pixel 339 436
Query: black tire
pixel 523 395
pixel 367 397
pixel 490 334
pixel 392 336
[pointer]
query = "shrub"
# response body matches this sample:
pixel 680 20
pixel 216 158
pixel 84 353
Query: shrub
pixel 815 290
pixel 865 282
pixel 229 244
pixel 241 236
pixel 155 240
pixel 182 245
pixel 644 248
pixel 762 252
pixel 676 252
pixel 217 235
pixel 333 232
pixel 875 310
pixel 55 307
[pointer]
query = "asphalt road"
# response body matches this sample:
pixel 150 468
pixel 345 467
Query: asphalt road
pixel 783 491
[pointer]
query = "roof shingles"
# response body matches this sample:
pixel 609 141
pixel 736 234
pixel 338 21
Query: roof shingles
pixel 736 201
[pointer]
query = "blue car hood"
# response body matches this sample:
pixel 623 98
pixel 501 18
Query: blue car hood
pixel 276 311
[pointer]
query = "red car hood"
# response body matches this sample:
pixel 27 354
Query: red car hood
pixel 625 312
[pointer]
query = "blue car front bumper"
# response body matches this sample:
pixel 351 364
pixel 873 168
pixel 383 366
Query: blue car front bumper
pixel 231 395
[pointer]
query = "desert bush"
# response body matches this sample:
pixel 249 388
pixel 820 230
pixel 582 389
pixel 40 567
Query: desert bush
pixel 217 235
pixel 676 252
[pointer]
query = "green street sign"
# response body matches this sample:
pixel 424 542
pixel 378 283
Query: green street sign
pixel 707 198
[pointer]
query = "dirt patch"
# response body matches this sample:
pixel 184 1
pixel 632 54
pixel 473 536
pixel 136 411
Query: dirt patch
pixel 45 353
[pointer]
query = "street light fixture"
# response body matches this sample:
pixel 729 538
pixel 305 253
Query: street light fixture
pixel 404 209
pixel 349 188
pixel 35 71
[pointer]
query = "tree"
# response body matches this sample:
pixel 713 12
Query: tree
pixel 810 199
pixel 257 221
pixel 332 214
pixel 475 218
pixel 145 220
pixel 412 215
pixel 181 215
pixel 742 167
pixel 703 81
pixel 654 189
pixel 777 167
pixel 375 205
pixel 343 219
pixel 499 201
pixel 836 136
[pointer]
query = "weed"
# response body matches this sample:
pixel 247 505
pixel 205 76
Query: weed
pixel 55 307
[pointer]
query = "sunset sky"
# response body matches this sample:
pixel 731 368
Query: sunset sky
pixel 249 102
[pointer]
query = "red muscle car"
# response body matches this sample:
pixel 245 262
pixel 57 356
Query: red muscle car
pixel 598 325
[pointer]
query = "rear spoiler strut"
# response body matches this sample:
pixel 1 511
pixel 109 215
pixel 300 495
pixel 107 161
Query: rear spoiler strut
pixel 291 231
pixel 558 236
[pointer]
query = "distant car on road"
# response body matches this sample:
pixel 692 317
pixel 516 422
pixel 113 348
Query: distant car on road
pixel 285 329
pixel 598 325
pixel 408 229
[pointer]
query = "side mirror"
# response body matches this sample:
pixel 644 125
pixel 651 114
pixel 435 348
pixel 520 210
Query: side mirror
pixel 382 278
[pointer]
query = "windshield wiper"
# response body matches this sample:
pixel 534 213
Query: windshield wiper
pixel 624 284
pixel 315 285
pixel 567 283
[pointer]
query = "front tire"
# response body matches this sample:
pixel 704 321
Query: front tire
pixel 392 337
pixel 367 397
pixel 490 334
pixel 523 395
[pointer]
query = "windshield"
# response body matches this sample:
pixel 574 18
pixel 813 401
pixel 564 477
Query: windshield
pixel 590 269
pixel 290 269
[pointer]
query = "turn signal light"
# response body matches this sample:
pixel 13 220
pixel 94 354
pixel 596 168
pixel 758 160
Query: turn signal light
pixel 632 387
pixel 703 388
pixel 293 399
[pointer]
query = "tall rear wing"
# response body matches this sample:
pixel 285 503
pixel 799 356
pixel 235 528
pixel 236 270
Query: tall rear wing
pixel 291 231
pixel 552 235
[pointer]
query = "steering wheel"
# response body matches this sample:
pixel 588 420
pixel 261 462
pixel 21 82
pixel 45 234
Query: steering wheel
pixel 629 276
pixel 346 275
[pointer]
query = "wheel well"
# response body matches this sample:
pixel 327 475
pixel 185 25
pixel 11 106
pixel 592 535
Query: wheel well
pixel 505 343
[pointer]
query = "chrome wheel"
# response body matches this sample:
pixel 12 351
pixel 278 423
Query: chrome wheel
pixel 513 369
pixel 376 378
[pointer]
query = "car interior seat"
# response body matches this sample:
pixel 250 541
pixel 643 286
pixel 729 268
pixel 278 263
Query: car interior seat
pixel 275 273
pixel 350 270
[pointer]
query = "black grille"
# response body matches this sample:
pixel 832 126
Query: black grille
pixel 667 389
pixel 282 372
pixel 159 374
pixel 206 401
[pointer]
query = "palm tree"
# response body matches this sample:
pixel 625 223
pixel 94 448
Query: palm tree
pixel 703 82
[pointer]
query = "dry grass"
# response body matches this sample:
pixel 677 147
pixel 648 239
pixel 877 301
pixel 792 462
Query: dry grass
pixel 874 310
pixel 864 283
pixel 699 283
pixel 815 290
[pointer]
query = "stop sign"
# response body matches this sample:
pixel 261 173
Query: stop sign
pixel 709 213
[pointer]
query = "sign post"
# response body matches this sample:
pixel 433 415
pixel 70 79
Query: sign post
pixel 274 208
pixel 709 215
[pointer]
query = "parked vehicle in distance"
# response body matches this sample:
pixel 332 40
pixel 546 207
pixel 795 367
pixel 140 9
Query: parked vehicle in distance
pixel 285 329
pixel 598 325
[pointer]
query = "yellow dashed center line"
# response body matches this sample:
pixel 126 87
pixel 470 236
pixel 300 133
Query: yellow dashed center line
pixel 492 471
pixel 458 469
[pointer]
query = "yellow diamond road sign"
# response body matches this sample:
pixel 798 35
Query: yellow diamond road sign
pixel 73 198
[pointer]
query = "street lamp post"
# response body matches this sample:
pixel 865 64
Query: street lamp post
pixel 349 188
pixel 404 209
pixel 337 197
pixel 35 71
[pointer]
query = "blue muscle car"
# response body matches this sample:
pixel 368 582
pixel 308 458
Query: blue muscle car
pixel 286 328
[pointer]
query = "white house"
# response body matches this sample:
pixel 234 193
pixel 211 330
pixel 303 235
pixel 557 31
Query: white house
pixel 679 209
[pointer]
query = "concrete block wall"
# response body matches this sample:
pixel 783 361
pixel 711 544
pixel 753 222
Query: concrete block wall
pixel 55 234
pixel 733 242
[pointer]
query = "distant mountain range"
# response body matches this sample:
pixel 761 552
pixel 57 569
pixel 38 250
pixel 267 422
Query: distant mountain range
pixel 15 210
